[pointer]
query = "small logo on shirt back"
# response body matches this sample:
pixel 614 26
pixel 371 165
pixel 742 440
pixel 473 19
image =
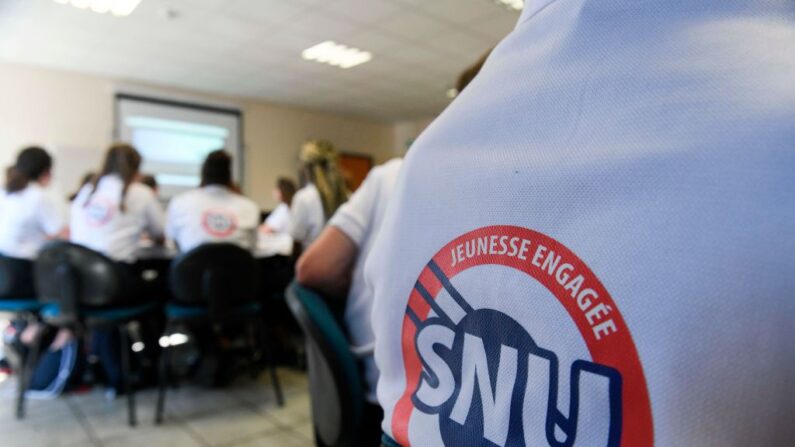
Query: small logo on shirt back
pixel 219 223
pixel 100 211
pixel 479 361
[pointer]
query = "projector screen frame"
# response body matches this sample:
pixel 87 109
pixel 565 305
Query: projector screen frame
pixel 238 152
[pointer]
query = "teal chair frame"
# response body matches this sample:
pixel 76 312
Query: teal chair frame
pixel 335 382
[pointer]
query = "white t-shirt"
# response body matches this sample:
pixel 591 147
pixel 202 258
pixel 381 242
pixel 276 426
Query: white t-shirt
pixel 279 219
pixel 99 223
pixel 360 218
pixel 597 237
pixel 28 218
pixel 212 214
pixel 306 215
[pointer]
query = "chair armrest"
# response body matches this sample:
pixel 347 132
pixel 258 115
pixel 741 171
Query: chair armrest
pixel 365 351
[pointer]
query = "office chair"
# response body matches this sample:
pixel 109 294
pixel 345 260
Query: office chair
pixel 339 410
pixel 215 284
pixel 83 289
pixel 18 298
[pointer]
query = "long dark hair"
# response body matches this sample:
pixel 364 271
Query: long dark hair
pixel 287 189
pixel 217 169
pixel 122 160
pixel 32 162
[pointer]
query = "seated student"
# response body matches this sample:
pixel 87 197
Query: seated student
pixel 112 212
pixel 334 263
pixel 151 182
pixel 110 215
pixel 323 191
pixel 279 219
pixel 593 244
pixel 214 212
pixel 30 215
pixel 85 180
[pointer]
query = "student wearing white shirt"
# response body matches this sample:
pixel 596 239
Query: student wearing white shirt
pixel 30 215
pixel 323 193
pixel 593 245
pixel 214 212
pixel 334 263
pixel 111 213
pixel 278 221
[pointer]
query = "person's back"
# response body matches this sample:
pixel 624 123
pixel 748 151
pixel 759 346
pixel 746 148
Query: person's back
pixel 30 213
pixel 111 213
pixel 27 218
pixel 593 244
pixel 99 223
pixel 212 214
pixel 306 215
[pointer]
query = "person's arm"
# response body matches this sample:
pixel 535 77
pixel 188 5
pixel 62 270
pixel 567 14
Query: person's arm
pixel 326 265
pixel 52 218
pixel 155 219
pixel 298 227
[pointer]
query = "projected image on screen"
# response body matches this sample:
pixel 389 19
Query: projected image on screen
pixel 175 150
pixel 174 139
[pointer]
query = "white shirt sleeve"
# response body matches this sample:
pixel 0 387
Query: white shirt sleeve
pixel 172 213
pixel 279 219
pixel 354 217
pixel 51 214
pixel 299 219
pixel 155 217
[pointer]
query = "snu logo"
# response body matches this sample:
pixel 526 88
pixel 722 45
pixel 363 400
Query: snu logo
pixel 489 382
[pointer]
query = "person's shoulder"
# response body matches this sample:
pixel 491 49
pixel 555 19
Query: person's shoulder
pixel 141 193
pixel 306 193
pixel 383 173
pixel 184 197
pixel 140 190
pixel 391 167
pixel 247 203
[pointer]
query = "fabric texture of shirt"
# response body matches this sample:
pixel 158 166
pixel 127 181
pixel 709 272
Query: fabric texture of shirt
pixel 279 219
pixel 307 218
pixel 595 240
pixel 360 218
pixel 212 214
pixel 98 222
pixel 27 220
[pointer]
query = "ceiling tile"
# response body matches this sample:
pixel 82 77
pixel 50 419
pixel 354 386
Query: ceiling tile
pixel 252 48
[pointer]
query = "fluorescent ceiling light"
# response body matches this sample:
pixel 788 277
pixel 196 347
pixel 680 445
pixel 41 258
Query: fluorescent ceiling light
pixel 119 8
pixel 332 53
pixel 516 5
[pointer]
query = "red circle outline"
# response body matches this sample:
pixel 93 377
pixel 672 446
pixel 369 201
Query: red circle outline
pixel 213 232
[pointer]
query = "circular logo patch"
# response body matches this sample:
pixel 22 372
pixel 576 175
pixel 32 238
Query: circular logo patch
pixel 477 372
pixel 219 223
pixel 100 211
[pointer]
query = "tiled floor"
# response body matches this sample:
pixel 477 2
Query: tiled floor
pixel 245 414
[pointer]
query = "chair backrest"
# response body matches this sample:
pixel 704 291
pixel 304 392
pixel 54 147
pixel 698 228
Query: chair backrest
pixel 335 383
pixel 71 275
pixel 218 275
pixel 16 278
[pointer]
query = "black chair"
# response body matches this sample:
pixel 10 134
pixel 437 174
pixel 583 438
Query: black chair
pixel 18 298
pixel 83 289
pixel 340 414
pixel 215 284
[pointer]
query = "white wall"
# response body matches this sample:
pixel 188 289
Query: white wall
pixel 73 113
